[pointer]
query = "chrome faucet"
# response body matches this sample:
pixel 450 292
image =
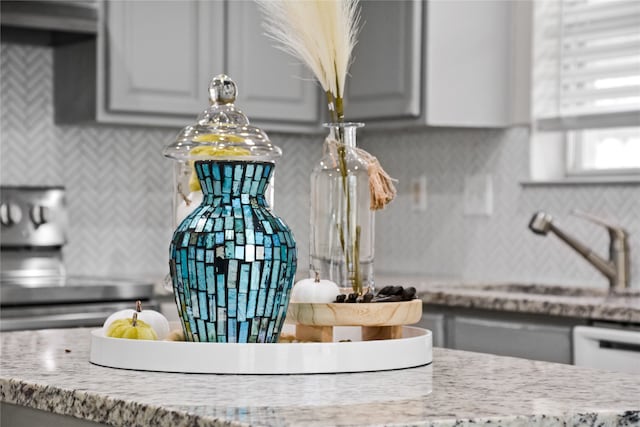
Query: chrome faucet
pixel 616 268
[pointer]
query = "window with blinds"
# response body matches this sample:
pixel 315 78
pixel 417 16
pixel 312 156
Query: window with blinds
pixel 587 79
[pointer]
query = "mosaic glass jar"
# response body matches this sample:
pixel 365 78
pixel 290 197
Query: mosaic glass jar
pixel 342 223
pixel 232 261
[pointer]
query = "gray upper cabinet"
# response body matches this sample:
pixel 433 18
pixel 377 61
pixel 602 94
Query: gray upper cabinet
pixel 153 60
pixel 275 89
pixel 416 63
pixel 162 54
pixel 386 69
pixel 468 63
pixel 436 63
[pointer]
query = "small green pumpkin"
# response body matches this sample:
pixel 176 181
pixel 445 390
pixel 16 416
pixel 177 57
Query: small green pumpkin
pixel 133 329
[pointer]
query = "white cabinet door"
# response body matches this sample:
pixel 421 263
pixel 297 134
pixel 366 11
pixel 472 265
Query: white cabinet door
pixel 386 71
pixel 273 87
pixel 161 55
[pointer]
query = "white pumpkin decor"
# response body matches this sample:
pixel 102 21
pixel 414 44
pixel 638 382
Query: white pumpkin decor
pixel 156 320
pixel 315 291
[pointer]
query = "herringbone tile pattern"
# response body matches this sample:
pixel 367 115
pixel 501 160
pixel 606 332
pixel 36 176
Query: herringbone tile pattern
pixel 118 183
pixel 27 114
pixel 292 187
pixel 119 192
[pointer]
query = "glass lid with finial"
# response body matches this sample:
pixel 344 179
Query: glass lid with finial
pixel 222 131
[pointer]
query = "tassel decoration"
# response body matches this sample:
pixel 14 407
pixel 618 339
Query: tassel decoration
pixel 381 186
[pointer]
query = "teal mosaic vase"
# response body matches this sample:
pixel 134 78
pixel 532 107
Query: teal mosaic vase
pixel 232 261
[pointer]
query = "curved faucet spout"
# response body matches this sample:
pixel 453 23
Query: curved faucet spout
pixel 616 269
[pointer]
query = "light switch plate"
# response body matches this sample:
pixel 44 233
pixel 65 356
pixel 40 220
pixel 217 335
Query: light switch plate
pixel 478 194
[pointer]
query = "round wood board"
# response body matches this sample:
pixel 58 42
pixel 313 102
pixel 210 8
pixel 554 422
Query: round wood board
pixel 355 314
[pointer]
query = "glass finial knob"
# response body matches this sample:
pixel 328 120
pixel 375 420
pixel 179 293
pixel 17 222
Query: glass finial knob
pixel 222 90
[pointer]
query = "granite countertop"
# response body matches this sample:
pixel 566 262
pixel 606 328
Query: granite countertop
pixel 49 370
pixel 583 303
pixel 578 302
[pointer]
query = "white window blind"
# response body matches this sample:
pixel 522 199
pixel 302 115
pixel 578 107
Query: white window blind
pixel 586 64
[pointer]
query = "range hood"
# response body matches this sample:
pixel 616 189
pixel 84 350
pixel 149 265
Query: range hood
pixel 48 22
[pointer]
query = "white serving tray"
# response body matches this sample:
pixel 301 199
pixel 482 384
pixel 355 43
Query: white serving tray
pixel 413 349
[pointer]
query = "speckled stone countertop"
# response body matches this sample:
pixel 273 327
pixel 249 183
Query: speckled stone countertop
pixel 49 370
pixel 584 303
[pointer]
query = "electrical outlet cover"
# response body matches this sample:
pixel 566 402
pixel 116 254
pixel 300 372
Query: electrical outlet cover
pixel 419 193
pixel 478 194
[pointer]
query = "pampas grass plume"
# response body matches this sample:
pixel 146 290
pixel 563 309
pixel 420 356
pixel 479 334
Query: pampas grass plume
pixel 321 33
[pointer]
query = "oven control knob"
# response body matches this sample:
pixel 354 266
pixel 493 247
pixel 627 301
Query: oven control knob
pixel 39 215
pixel 10 214
pixel 4 214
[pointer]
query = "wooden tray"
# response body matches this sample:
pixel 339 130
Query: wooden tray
pixel 382 320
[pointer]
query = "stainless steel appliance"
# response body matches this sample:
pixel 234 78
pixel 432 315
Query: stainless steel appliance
pixel 35 291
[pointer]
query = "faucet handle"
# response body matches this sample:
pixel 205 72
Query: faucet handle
pixel 613 229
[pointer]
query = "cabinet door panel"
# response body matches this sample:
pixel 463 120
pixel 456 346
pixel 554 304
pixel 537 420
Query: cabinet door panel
pixel 386 71
pixel 528 340
pixel 162 54
pixel 273 86
pixel 468 65
pixel 435 323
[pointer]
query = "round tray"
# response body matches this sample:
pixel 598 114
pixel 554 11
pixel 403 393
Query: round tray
pixel 413 349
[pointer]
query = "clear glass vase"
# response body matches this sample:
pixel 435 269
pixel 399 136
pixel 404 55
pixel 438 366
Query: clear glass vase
pixel 342 223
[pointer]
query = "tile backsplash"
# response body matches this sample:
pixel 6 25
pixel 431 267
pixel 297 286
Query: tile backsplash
pixel 119 192
pixel 443 241
pixel 118 183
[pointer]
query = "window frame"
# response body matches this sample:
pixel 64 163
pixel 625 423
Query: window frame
pixel 568 131
pixel 573 145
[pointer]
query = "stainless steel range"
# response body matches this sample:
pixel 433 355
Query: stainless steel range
pixel 35 291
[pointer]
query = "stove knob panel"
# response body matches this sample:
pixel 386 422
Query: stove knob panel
pixel 39 215
pixel 10 214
